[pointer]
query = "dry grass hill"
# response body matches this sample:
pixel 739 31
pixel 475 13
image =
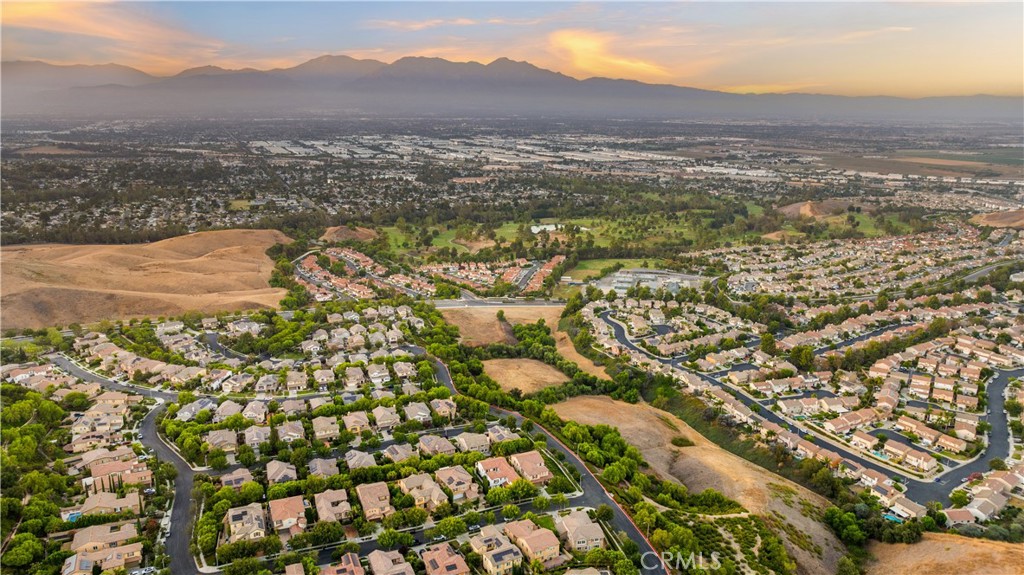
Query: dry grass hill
pixel 45 285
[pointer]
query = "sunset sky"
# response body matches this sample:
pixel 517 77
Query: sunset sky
pixel 865 48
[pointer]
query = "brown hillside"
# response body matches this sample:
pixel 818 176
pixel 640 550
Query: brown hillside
pixel 52 284
pixel 1004 219
pixel 706 465
pixel 345 233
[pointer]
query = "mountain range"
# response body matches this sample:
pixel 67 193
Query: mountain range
pixel 434 86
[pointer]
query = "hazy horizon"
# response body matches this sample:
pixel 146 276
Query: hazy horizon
pixel 873 49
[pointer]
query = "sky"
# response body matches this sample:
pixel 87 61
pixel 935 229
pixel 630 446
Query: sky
pixel 911 49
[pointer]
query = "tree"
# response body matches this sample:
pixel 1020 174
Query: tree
pixel 881 304
pixel 604 512
pixel 390 539
pixel 997 465
pixel 498 496
pixel 510 511
pixel 560 500
pixel 768 344
pixel 450 527
pixel 250 492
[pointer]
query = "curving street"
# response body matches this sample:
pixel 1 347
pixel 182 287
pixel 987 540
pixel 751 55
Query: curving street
pixel 920 490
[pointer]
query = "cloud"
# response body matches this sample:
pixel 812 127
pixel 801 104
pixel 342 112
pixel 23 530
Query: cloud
pixel 126 33
pixel 418 25
pixel 591 52
pixel 776 88
pixel 862 34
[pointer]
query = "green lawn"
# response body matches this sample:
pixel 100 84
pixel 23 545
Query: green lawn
pixel 588 269
pixel 446 239
pixel 396 238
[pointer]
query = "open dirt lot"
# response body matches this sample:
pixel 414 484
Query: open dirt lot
pixel 813 209
pixel 526 375
pixel 1004 219
pixel 45 285
pixel 941 554
pixel 344 233
pixel 475 245
pixel 480 326
pixel 705 465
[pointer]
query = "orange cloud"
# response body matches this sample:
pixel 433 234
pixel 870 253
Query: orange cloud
pixel 128 34
pixel 417 25
pixel 590 52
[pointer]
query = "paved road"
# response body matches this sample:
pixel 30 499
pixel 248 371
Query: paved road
pixel 594 493
pixel 178 539
pixel 921 491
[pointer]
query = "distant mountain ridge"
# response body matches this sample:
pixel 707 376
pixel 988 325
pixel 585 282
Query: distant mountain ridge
pixel 435 86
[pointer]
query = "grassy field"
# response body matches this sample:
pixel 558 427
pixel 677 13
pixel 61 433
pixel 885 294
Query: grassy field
pixel 446 239
pixel 867 224
pixel 396 238
pixel 1004 157
pixel 239 205
pixel 588 269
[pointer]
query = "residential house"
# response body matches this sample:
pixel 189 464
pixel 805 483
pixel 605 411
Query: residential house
pixel 579 532
pixel 246 523
pixel 424 491
pixel 223 439
pixel 418 411
pixel 356 422
pixel 459 482
pixel 348 564
pixel 386 417
pixel 255 411
pixel 531 466
pixel 430 445
pixel 358 459
pixel 388 563
pixel 399 452
pixel 375 500
pixel 255 435
pixel 289 514
pixel 444 408
pixel 496 471
pixel 280 472
pixel 536 543
pixel 290 431
pixel 321 467
pixel 226 410
pixel 235 479
pixel 326 428
pixel 498 555
pixel 105 502
pixel 333 505
pixel 443 560
pixel 472 442
pixel 96 537
pixel 378 373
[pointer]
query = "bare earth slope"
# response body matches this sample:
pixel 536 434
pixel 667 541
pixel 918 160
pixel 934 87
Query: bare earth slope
pixel 1004 219
pixel 942 554
pixel 46 285
pixel 343 233
pixel 705 465
pixel 480 326
pixel 527 375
